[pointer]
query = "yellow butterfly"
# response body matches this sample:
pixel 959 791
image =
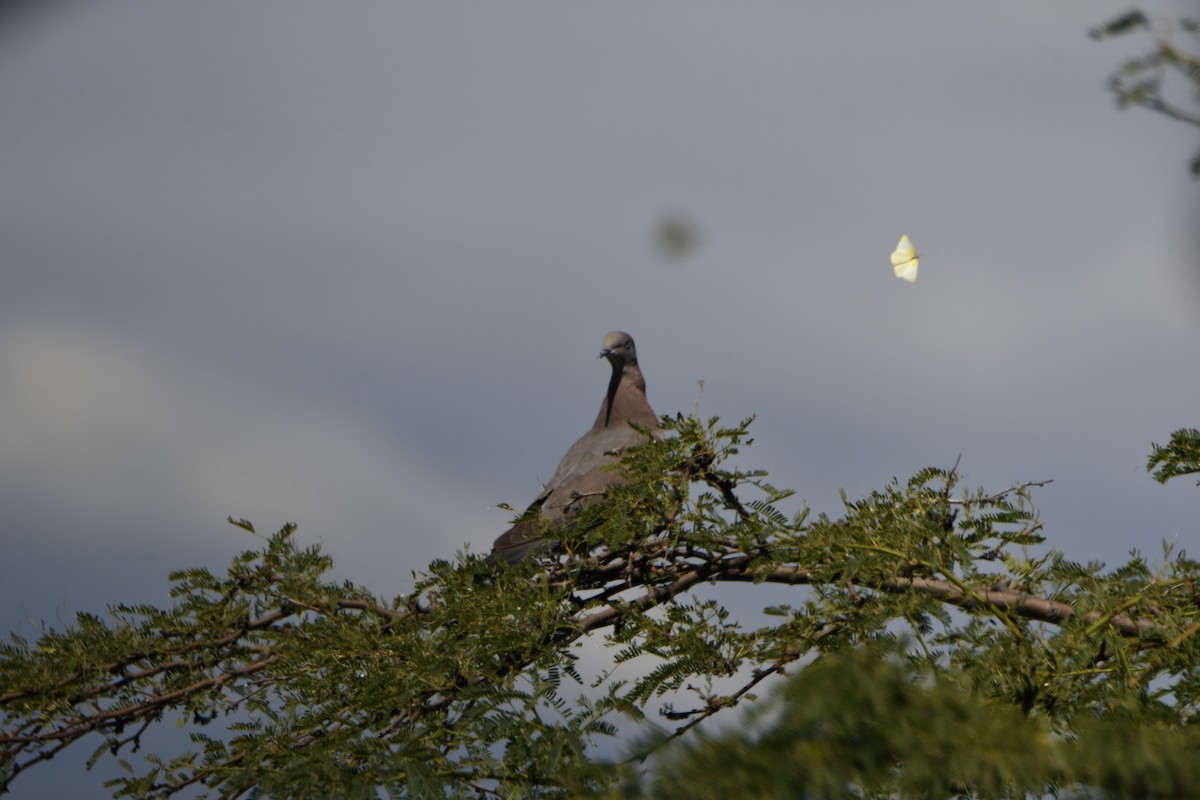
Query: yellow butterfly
pixel 904 260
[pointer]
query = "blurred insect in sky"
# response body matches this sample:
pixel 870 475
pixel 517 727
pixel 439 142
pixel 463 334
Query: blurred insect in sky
pixel 904 260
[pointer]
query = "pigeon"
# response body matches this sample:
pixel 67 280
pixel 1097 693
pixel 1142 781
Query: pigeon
pixel 581 477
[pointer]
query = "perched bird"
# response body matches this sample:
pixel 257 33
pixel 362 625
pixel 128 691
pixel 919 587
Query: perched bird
pixel 581 478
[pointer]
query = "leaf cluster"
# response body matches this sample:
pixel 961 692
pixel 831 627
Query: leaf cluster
pixel 473 683
pixel 868 722
pixel 1141 81
pixel 1180 456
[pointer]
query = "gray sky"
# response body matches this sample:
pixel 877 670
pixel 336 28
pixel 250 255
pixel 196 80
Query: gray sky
pixel 350 266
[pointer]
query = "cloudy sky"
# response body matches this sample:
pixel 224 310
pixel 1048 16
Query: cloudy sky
pixel 350 266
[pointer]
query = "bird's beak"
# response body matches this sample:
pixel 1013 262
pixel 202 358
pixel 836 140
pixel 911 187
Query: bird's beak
pixel 605 352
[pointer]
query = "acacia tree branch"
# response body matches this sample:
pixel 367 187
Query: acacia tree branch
pixel 714 704
pixel 1168 110
pixel 742 569
pixel 610 588
pixel 1003 493
pixel 659 584
pixel 121 665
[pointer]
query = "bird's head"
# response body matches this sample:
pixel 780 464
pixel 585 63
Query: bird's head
pixel 618 349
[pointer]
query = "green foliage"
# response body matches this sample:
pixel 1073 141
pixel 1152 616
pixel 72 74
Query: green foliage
pixel 867 722
pixel 472 685
pixel 1181 456
pixel 1139 81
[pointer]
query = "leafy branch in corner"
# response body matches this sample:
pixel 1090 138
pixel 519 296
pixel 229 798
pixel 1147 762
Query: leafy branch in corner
pixel 1180 456
pixel 1140 81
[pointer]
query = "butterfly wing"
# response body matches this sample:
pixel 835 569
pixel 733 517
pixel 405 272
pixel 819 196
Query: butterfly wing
pixel 904 260
pixel 908 270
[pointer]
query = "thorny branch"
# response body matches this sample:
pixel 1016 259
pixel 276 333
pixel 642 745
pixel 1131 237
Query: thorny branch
pixel 655 570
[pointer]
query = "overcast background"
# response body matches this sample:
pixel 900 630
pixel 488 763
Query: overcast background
pixel 350 266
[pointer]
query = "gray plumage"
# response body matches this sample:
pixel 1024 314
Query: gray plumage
pixel 581 478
